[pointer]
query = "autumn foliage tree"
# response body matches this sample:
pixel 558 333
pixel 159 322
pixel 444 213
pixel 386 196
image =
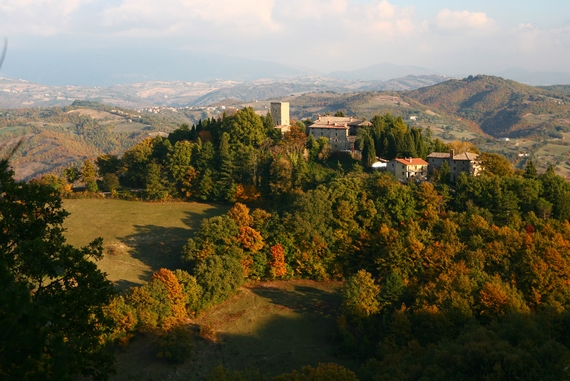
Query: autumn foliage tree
pixel 277 268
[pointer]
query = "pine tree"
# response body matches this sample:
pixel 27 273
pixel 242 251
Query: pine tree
pixel 530 171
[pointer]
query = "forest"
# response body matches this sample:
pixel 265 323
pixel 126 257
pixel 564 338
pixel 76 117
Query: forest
pixel 465 281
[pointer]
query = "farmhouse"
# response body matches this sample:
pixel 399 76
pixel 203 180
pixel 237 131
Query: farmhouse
pixel 464 162
pixel 408 168
pixel 340 131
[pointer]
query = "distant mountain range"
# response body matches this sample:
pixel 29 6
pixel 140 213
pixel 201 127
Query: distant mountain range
pixel 103 67
pixel 382 72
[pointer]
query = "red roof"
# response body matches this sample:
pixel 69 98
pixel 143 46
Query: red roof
pixel 412 161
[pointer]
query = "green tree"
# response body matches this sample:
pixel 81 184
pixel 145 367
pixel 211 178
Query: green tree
pixel 72 174
pixel 360 295
pixel 108 164
pixel 268 122
pixel 110 182
pixel 244 127
pixel 179 159
pixel 52 298
pixel 155 183
pixel 135 161
pixel 225 186
pixel 366 146
pixel 89 175
pixel 495 165
pixel 219 278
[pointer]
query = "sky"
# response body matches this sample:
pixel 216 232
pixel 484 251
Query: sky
pixel 452 37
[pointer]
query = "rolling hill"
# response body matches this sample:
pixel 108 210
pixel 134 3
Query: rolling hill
pixel 500 107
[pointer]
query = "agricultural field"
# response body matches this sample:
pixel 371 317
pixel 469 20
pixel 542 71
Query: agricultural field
pixel 554 150
pixel 131 127
pixel 139 238
pixel 273 326
pixel 14 129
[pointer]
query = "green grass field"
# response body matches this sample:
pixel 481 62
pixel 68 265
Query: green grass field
pixel 273 326
pixel 139 238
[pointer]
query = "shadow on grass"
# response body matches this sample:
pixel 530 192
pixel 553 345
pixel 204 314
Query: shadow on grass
pixel 275 327
pixel 293 328
pixel 302 299
pixel 161 246
pixel 157 247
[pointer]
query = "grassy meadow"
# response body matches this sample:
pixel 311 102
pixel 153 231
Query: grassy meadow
pixel 274 326
pixel 139 238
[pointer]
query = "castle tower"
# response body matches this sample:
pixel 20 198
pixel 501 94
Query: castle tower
pixel 280 113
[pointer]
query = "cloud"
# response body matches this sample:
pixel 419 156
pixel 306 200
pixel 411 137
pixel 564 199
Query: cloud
pixel 37 17
pixel 176 17
pixel 452 20
pixel 323 34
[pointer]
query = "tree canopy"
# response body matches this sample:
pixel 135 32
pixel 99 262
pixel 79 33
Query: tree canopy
pixel 52 294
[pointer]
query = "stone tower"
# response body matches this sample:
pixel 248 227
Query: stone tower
pixel 280 113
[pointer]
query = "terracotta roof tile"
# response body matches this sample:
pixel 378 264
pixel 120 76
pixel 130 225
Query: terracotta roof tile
pixel 412 161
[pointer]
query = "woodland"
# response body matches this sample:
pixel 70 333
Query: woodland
pixel 442 281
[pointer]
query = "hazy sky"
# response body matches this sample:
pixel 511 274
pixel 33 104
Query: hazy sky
pixel 449 36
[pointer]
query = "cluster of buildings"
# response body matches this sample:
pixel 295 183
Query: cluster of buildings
pixel 341 133
pixel 416 168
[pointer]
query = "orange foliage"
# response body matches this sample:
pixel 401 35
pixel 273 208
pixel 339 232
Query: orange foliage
pixel 246 263
pixel 186 186
pixel 461 147
pixel 277 264
pixel 124 319
pixel 240 214
pixel 175 292
pixel 494 299
pixel 247 193
pixel 250 239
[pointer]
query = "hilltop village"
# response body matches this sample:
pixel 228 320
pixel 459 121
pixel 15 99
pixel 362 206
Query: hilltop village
pixel 342 132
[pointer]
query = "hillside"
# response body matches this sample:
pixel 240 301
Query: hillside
pixel 24 94
pixel 54 138
pixel 500 107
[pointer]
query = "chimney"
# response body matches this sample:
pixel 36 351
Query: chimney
pixel 410 159
pixel 451 153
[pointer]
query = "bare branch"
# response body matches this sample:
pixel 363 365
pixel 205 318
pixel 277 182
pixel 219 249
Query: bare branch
pixel 4 51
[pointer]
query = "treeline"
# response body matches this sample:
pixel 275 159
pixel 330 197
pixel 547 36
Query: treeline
pixel 241 157
pixel 390 137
